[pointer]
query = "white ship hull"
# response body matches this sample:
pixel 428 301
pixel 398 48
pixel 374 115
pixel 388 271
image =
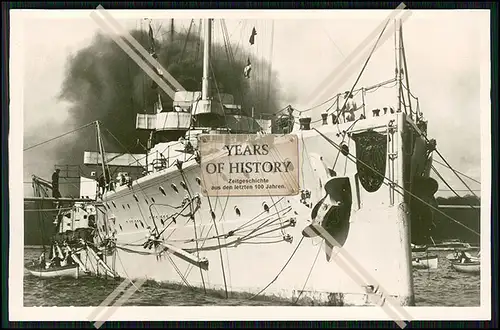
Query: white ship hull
pixel 377 234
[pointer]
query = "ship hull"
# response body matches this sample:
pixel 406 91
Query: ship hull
pixel 256 245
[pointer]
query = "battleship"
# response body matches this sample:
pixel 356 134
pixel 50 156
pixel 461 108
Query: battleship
pixel 363 174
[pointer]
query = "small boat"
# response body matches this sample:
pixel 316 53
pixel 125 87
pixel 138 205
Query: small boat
pixel 452 245
pixel 425 262
pixel 418 248
pixel 458 254
pixel 54 271
pixel 471 267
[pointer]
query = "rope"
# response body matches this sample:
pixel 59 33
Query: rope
pixel 220 256
pixel 59 136
pixel 126 149
pixel 446 183
pixel 364 66
pixel 308 275
pixel 451 168
pixel 281 271
pixel 192 214
pixel 238 240
pixel 179 271
pixel 462 174
pixel 49 210
pixel 218 242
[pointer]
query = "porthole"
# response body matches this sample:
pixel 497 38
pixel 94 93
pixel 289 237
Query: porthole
pixel 183 185
pixel 266 207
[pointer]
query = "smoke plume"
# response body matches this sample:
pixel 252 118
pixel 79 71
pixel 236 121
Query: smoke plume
pixel 103 83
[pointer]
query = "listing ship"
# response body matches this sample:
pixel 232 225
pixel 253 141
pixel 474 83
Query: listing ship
pixel 364 176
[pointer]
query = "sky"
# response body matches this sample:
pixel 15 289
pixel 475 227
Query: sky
pixel 444 50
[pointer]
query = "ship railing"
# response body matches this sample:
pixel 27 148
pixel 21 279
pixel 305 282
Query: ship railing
pixel 164 159
pixel 342 111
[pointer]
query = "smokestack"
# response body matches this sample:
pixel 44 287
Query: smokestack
pixel 172 30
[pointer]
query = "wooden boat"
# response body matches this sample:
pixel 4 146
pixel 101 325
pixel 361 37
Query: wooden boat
pixel 425 262
pixel 455 256
pixel 471 267
pixel 418 248
pixel 452 245
pixel 61 271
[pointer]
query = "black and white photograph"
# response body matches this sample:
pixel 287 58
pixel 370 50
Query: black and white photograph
pixel 235 158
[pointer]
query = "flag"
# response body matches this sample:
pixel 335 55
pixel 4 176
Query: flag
pixel 252 37
pixel 247 69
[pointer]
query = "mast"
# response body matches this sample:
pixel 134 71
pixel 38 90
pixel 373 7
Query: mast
pixel 407 79
pixel 398 63
pixel 172 30
pixel 205 87
pixel 270 73
pixel 101 151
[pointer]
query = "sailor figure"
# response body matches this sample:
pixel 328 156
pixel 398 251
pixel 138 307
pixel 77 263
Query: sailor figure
pixel 247 69
pixel 55 184
pixel 41 260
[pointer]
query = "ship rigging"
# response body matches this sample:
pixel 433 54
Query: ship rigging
pixel 358 167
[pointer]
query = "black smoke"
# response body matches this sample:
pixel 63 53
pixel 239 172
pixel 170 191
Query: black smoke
pixel 103 83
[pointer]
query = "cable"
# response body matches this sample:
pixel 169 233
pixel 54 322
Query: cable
pixel 446 183
pixel 59 136
pixel 281 271
pixel 464 175
pixel 364 66
pixel 308 275
pixel 451 168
